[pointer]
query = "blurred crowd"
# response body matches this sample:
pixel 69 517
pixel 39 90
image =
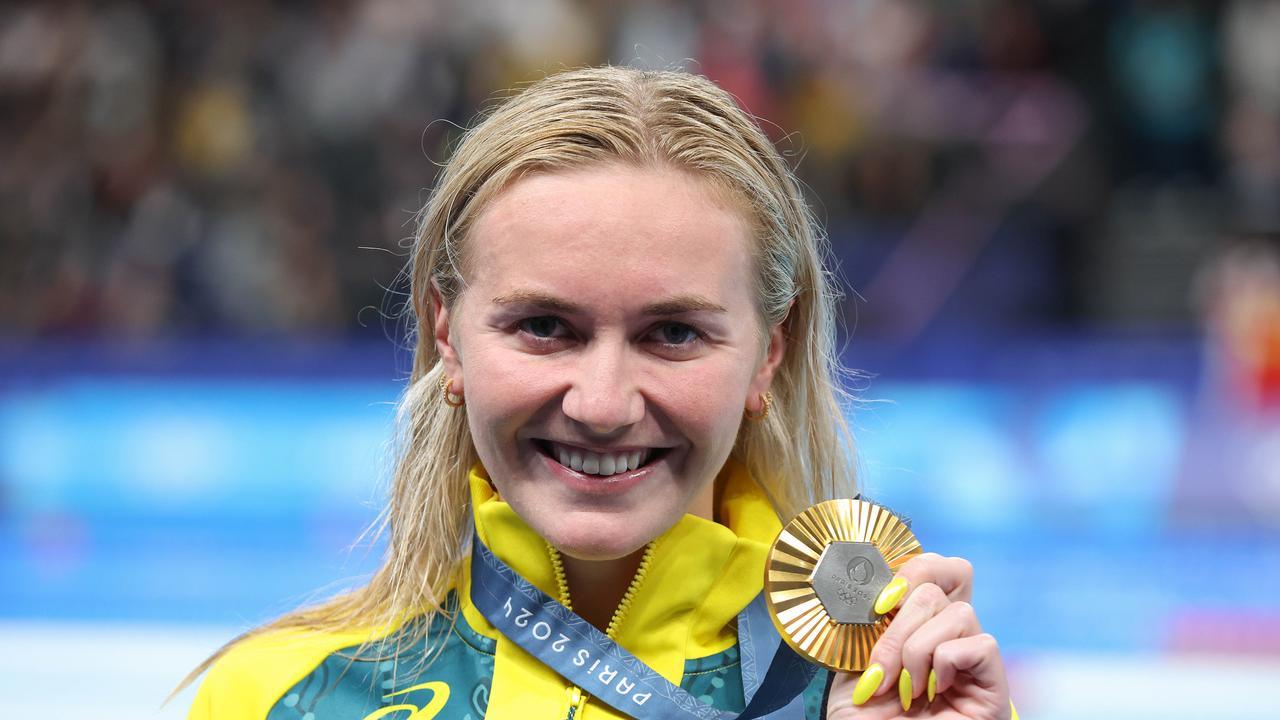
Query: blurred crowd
pixel 235 167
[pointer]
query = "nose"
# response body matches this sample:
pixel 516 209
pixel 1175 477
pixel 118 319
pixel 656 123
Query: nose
pixel 604 395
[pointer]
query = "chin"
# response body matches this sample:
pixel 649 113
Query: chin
pixel 599 539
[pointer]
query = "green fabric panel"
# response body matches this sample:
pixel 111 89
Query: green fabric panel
pixel 350 687
pixel 813 708
pixel 716 680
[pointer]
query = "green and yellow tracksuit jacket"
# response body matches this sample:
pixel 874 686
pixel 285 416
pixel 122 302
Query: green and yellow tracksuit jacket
pixel 680 620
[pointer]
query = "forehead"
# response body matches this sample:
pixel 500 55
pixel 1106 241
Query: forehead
pixel 613 234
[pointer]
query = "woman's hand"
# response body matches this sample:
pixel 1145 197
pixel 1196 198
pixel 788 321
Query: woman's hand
pixel 934 658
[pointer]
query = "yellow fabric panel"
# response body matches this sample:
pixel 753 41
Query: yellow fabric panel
pixel 669 600
pixel 252 676
pixel 525 688
pixel 745 509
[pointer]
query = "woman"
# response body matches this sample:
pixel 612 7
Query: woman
pixel 624 376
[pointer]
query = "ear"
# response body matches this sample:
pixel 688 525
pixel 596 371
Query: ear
pixel 763 378
pixel 440 323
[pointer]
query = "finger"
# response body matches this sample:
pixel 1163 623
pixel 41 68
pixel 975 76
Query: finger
pixel 921 605
pixel 977 656
pixel 956 620
pixel 954 575
pixel 868 684
pixel 847 701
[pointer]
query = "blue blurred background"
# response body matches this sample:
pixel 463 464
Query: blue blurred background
pixel 1059 223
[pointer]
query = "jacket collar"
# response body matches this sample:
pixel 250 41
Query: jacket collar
pixel 701 573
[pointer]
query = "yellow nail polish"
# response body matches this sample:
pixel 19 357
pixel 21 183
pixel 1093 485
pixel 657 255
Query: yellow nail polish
pixel 904 689
pixel 891 594
pixel 868 683
pixel 932 687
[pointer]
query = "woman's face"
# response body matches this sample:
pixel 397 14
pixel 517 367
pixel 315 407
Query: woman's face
pixel 606 342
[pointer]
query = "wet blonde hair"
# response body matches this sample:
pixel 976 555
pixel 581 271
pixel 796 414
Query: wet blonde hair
pixel 799 454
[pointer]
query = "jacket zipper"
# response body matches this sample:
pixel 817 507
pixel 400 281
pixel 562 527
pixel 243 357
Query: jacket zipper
pixel 576 697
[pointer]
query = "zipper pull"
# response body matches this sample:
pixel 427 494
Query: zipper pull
pixel 577 699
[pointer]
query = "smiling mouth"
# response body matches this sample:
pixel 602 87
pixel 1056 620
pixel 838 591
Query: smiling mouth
pixel 588 462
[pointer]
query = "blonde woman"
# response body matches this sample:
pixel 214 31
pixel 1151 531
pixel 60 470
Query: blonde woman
pixel 623 378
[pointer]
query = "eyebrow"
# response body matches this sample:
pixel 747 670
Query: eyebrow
pixel 678 305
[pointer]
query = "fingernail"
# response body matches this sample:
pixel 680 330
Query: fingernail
pixel 868 683
pixel 891 594
pixel 904 689
pixel 932 687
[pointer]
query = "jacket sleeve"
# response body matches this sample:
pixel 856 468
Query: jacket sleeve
pixel 251 677
pixel 228 693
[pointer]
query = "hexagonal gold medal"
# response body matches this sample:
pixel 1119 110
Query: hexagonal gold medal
pixel 824 573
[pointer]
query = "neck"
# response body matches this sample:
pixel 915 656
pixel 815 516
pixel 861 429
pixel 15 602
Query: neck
pixel 596 587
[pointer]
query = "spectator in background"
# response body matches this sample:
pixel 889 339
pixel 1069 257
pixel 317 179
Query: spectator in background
pixel 149 151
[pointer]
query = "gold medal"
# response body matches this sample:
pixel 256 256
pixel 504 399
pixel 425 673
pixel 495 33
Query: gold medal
pixel 824 573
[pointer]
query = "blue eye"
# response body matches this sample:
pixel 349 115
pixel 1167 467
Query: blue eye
pixel 541 327
pixel 677 334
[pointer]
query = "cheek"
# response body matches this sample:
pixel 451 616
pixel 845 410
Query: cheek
pixel 707 400
pixel 502 393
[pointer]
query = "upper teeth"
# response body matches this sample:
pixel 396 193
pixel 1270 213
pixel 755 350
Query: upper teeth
pixel 598 463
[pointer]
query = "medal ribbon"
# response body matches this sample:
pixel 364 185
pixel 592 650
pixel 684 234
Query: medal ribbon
pixel 588 658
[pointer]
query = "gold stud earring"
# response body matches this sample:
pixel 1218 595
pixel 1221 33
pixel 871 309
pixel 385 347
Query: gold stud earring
pixel 766 401
pixel 452 399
